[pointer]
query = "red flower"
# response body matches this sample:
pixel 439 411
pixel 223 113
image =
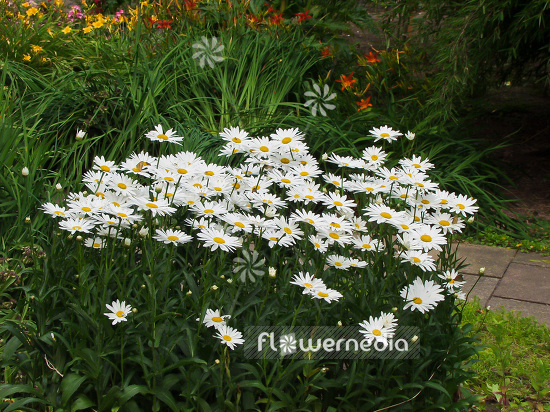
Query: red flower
pixel 164 24
pixel 303 16
pixel 190 4
pixel 326 51
pixel 364 104
pixel 347 81
pixel 276 19
pixel 372 58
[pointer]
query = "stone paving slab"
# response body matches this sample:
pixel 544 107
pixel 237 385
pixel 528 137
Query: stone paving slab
pixel 534 259
pixel 495 260
pixel 525 282
pixel 539 311
pixel 483 289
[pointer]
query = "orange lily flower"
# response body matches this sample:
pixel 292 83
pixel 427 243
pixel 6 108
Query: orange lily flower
pixel 364 104
pixel 347 81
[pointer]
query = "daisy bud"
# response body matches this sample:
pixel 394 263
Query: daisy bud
pixel 79 238
pixel 80 134
pixel 134 226
pixel 217 361
pixel 471 220
pixel 143 286
pixel 143 232
pixel 85 193
pixel 410 135
pixel 481 271
pixel 414 338
pixel 222 276
pixel 394 309
pixel 58 187
pixel 127 242
pixel 339 323
pixel 272 272
pixel 77 276
pixel 25 171
pixel 134 310
pixel 214 288
pixel 324 156
pixel 229 280
pixel 488 307
pixel 158 189
pixel 52 335
pixel 324 370
pixel 70 237
pixel 27 220
pixel 189 293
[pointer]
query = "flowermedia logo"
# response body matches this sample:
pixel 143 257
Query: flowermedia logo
pixel 328 342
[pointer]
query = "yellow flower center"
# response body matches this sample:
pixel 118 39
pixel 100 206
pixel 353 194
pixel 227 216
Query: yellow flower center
pixel 376 332
pixel 334 235
pixel 419 184
pixel 285 160
pixel 218 189
pixel 452 281
pixel 461 206
pixel 338 264
pixel 287 230
pixel 335 224
pixel 182 171
pixel 317 245
pixel 209 173
pixel 122 186
pixel 285 180
pixel 385 215
pixel 415 259
pixel 173 238
pixel 308 285
pixel 286 140
pixel 310 221
pixel 116 204
pixel 309 197
pixel 425 201
pixel 169 179
pixel 374 157
pixel 444 201
pixel 444 222
pixel 416 165
pixel 236 140
pixel 239 224
pixel 404 226
pixel 162 137
pixel 207 211
pixel 151 205
pixel 418 301
pixel 120 314
pixel 304 173
pixel 237 185
pixel 59 213
pixel 105 168
pixel 337 203
pixel 76 228
pixel 264 149
pixel 322 294
pixel 86 209
pixel 96 245
pixel 122 214
pixel 219 240
pixel 426 238
pixel 384 135
pixel 227 338
pixel 394 178
pixel 366 246
pixel 334 182
pixel 217 319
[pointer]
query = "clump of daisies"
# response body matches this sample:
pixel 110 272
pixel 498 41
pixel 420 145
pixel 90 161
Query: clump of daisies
pixel 341 214
pixel 227 335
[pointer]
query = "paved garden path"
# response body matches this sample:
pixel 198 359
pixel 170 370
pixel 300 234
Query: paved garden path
pixel 513 279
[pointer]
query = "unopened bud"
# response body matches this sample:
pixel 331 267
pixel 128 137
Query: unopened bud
pixel 214 288
pixel 143 232
pixel 27 220
pixel 80 134
pixel 217 361
pixel 127 242
pixel 189 293
pixel 230 281
pixel 134 310
pixel 272 272
pixel 414 338
pixel 79 238
pixel 339 323
pixel 324 156
pixel 410 135
pixel 25 171
pixel 481 271
pixel 470 220
pixel 58 187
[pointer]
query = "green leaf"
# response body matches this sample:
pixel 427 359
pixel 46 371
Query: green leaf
pixel 69 385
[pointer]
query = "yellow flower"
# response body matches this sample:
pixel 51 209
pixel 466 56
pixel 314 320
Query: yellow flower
pixel 66 30
pixel 98 24
pixel 32 11
pixel 50 32
pixel 26 4
pixel 26 57
pixel 87 29
pixel 36 49
pixel 59 3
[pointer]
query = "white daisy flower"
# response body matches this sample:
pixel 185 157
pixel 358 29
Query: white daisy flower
pixel 386 133
pixel 54 210
pixel 217 238
pixel 95 243
pixel 418 258
pixel 375 329
pixel 171 236
pixel 118 311
pixel 452 280
pixel 213 318
pixel 422 296
pixel 339 262
pixel 159 135
pixel 229 336
pixel 326 294
pixel 308 282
